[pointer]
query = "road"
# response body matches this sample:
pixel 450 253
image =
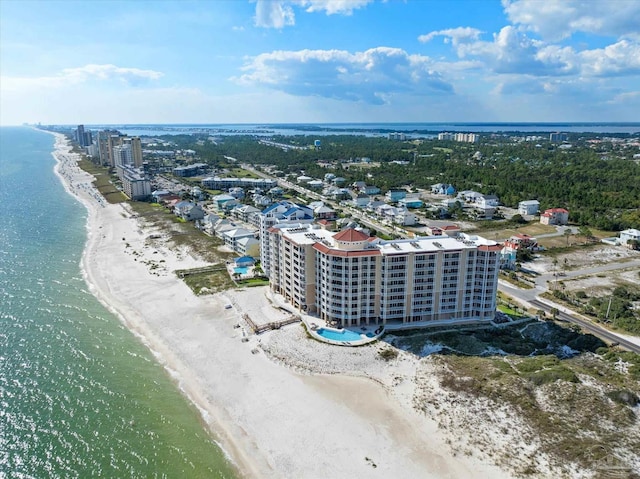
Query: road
pixel 588 326
pixel 531 297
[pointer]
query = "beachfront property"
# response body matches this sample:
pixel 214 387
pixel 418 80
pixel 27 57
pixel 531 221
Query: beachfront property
pixel 135 183
pixel 351 279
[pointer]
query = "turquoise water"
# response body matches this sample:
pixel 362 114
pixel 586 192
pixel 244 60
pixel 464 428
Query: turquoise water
pixel 241 269
pixel 344 335
pixel 80 396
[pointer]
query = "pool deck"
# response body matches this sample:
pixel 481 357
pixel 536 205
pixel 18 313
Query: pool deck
pixel 313 323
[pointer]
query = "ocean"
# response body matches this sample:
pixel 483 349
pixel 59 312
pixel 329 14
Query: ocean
pixel 80 396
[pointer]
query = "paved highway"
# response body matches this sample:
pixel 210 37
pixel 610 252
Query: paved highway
pixel 589 326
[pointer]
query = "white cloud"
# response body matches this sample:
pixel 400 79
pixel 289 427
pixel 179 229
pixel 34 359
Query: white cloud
pixel 513 52
pixel 331 7
pixel 74 76
pixel 273 14
pixel 557 19
pixel 370 76
pixel 453 35
pixel 280 13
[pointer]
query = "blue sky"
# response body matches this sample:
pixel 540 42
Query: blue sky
pixel 236 61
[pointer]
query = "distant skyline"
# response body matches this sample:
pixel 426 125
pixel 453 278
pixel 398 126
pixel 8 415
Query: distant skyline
pixel 319 61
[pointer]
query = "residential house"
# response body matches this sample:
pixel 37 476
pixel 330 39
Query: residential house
pixel 410 203
pixel 361 200
pixel 248 214
pixel 188 211
pixel 248 247
pixel 627 237
pixel 232 236
pixel 443 189
pixel 393 196
pixel 220 201
pixel 554 216
pixel 529 207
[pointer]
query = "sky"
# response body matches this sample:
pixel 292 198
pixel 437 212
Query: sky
pixel 319 61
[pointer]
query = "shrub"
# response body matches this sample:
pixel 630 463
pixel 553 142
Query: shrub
pixel 388 354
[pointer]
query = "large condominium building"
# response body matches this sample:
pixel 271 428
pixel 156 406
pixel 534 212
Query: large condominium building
pixel 465 137
pixel 352 279
pixel 134 183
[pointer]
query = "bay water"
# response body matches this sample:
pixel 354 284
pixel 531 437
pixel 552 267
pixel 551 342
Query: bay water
pixel 80 395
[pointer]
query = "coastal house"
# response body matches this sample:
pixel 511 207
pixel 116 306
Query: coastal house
pixel 248 214
pixel 232 236
pixel 248 247
pixel 394 196
pixel 370 190
pixel 361 200
pixel 629 237
pixel 529 207
pixel 443 189
pixel 188 211
pixel 220 201
pixel 554 216
pixel 410 203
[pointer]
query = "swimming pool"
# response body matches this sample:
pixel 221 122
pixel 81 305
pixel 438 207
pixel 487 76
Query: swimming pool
pixel 241 269
pixel 343 335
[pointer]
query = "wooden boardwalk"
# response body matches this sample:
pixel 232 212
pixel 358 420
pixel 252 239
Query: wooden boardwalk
pixel 260 328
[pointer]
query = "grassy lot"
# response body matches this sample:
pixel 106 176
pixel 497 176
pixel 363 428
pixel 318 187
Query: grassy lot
pixel 242 173
pixel 532 229
pixel 511 312
pixel 103 182
pixel 209 282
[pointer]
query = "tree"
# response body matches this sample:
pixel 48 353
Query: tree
pixel 586 232
pixel 567 234
pixel 554 313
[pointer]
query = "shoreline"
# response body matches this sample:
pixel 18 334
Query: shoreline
pixel 269 418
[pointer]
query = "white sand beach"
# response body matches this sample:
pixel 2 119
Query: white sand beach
pixel 292 407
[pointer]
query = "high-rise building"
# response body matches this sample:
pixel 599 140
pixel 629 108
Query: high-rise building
pixel 558 137
pixel 80 135
pixel 123 155
pixel 136 151
pixel 351 279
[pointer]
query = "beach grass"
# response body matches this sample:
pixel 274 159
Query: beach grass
pixel 103 182
pixel 209 282
pixel 180 234
pixel 545 390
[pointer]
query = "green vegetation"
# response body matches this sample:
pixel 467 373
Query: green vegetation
pixel 388 354
pixel 183 235
pixel 209 282
pixel 546 392
pixel 534 338
pixel 615 309
pixel 599 192
pixel 103 182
